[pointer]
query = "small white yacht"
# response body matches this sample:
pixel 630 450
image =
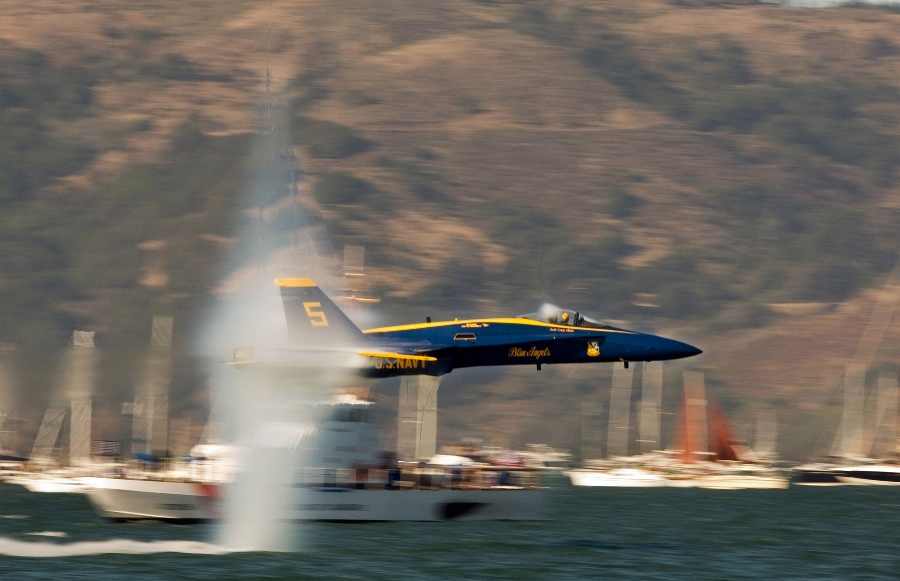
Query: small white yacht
pixel 346 480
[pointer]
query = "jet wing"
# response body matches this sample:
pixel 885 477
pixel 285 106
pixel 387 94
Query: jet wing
pixel 305 356
pixel 394 355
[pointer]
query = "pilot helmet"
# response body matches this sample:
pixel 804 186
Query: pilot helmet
pixel 565 317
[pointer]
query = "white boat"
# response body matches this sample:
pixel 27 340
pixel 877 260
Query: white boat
pixel 61 481
pixel 816 474
pixel 737 477
pixel 374 500
pixel 349 483
pixel 661 472
pixel 535 456
pixel 546 457
pixel 626 477
pixel 869 474
pixel 849 463
pixel 707 454
pixel 621 470
pixel 873 473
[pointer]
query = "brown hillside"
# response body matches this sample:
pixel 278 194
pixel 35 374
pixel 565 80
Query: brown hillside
pixel 510 125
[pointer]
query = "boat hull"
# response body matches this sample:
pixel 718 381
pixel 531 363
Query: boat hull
pixel 636 478
pixel 58 485
pixel 874 475
pixel 731 482
pixel 125 499
pixel 816 476
pixel 629 478
pixel 838 475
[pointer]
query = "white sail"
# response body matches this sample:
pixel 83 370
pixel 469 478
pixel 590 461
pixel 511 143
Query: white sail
pixel 696 417
pixel 150 429
pixel 849 439
pixel 619 411
pixel 45 443
pixel 417 417
pixel 882 437
pixel 80 370
pixel 651 403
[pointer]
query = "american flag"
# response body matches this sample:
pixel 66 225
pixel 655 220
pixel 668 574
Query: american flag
pixel 106 448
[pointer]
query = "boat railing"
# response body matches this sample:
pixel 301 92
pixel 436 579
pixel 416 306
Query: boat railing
pixel 419 478
pixel 411 477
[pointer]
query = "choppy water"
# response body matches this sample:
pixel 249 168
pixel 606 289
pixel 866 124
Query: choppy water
pixel 801 533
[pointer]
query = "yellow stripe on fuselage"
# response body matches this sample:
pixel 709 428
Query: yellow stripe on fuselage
pixel 294 282
pixel 387 355
pixel 503 321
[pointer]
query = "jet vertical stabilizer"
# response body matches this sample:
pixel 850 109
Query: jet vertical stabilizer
pixel 313 318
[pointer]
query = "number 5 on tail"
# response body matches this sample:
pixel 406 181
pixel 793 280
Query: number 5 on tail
pixel 316 318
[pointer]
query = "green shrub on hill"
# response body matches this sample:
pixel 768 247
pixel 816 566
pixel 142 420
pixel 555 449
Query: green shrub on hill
pixel 197 172
pixel 34 94
pixel 307 91
pixel 881 47
pixel 461 281
pixel 621 203
pixel 177 67
pixel 77 246
pixel 342 188
pixel 611 57
pixel 32 156
pixel 328 140
pixel 420 182
pixel 682 289
pixel 822 119
pixel 29 80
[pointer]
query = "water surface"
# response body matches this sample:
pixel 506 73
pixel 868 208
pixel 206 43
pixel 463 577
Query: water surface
pixel 801 533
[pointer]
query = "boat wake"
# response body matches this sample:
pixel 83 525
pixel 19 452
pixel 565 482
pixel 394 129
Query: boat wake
pixel 13 548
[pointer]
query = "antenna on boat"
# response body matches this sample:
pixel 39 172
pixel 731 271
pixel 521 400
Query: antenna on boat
pixel 879 320
pixel 541 267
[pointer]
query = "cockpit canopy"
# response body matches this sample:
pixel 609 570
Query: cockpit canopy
pixel 550 313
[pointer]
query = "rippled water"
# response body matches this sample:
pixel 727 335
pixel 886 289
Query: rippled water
pixel 801 533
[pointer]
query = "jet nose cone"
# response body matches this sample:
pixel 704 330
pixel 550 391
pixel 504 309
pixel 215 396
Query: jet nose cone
pixel 679 350
pixel 663 349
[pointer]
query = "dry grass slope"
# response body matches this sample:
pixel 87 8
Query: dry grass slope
pixel 498 124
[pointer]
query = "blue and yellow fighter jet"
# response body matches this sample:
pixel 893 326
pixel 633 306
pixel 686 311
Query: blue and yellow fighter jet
pixel 436 348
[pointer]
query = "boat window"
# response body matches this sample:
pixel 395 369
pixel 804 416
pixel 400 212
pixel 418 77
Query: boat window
pixel 350 415
pixel 464 337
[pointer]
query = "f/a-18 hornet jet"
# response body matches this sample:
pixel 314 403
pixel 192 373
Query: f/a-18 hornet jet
pixel 434 348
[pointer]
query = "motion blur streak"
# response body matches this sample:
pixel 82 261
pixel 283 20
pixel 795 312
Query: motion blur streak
pixel 13 548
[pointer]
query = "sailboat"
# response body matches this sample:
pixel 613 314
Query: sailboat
pixel 884 472
pixel 708 454
pixel 45 474
pixel 621 470
pixel 856 439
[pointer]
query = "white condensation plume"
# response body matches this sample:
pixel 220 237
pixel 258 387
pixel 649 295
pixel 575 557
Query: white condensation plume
pixel 266 412
pixel 272 421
